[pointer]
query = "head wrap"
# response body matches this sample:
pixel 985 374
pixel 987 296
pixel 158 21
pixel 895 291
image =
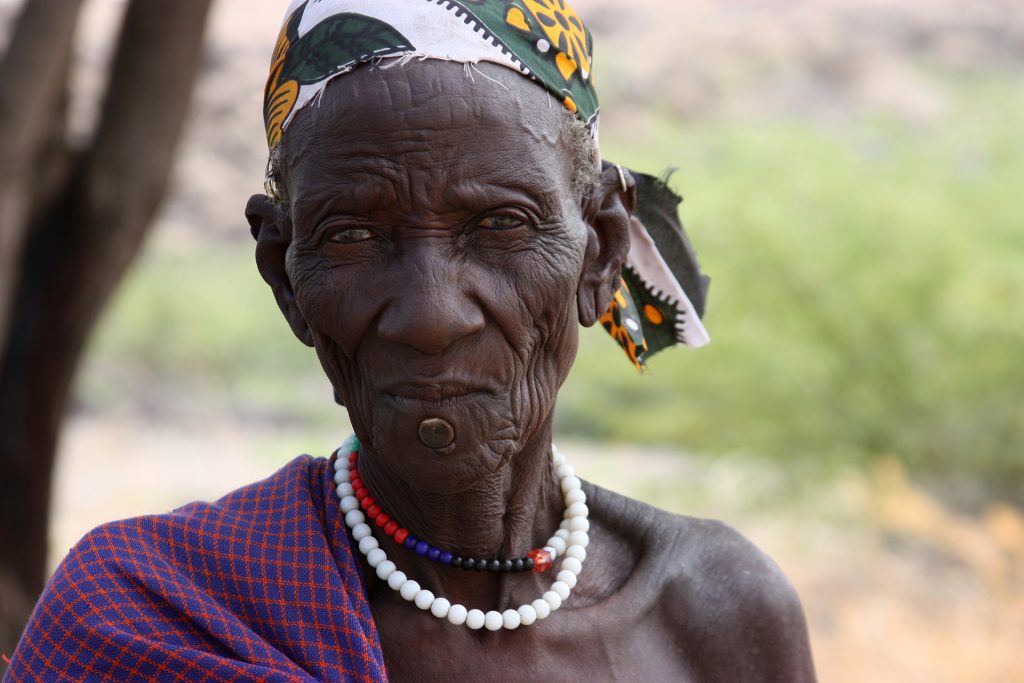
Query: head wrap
pixel 544 40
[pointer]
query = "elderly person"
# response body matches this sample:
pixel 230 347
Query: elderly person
pixel 436 227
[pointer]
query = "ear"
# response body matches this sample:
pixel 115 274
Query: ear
pixel 272 230
pixel 607 211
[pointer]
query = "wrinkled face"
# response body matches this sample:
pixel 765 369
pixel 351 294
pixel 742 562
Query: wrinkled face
pixel 436 251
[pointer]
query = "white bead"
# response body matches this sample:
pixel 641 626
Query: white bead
pixel 579 538
pixel 511 619
pixel 564 524
pixel 564 471
pixel 457 614
pixel 561 588
pixel 551 551
pixel 440 607
pixel 553 599
pixel 541 607
pixel 367 544
pixel 577 510
pixel 571 564
pixel 409 590
pixel 579 524
pixel 354 517
pixel 348 504
pixel 424 599
pixel 558 544
pixel 566 577
pixel 575 496
pixel 340 476
pixel 375 557
pixel 570 484
pixel 493 621
pixel 576 552
pixel 361 531
pixel 396 580
pixel 557 458
pixel 474 619
pixel 344 489
pixel 386 569
pixel 563 534
pixel 527 615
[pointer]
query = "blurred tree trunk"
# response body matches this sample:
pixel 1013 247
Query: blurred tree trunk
pixel 71 221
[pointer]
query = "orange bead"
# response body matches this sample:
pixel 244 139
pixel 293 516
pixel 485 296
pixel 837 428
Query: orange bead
pixel 541 559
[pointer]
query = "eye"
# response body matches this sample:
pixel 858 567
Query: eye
pixel 501 222
pixel 351 236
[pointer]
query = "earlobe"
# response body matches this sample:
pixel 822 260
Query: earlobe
pixel 607 211
pixel 271 229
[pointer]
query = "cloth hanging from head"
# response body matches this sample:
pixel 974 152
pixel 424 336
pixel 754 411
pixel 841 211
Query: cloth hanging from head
pixel 544 40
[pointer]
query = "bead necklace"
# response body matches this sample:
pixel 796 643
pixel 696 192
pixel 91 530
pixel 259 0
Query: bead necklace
pixel 538 559
pixel 570 541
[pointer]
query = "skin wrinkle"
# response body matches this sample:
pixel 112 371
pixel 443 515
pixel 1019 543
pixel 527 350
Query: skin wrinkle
pixel 499 311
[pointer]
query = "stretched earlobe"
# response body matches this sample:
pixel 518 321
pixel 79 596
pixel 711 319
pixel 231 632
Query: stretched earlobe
pixel 271 229
pixel 607 211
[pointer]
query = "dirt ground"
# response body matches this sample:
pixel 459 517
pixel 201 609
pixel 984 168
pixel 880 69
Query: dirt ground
pixel 895 586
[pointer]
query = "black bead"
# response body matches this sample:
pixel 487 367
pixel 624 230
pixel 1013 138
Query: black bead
pixel 481 565
pixel 468 563
pixel 528 564
pixel 457 561
pixel 494 565
pixel 506 565
pixel 517 564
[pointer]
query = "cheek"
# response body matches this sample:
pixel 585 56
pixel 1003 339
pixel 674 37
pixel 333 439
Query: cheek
pixel 330 301
pixel 547 288
pixel 542 286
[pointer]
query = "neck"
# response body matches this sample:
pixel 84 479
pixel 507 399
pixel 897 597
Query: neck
pixel 506 514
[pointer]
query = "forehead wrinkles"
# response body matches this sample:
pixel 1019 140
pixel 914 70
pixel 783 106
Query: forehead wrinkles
pixel 423 98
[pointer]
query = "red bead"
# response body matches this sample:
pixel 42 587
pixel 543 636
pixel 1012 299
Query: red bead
pixel 391 527
pixel 366 502
pixel 541 559
pixel 373 511
pixel 353 456
pixel 382 519
pixel 361 493
pixel 355 480
pixel 401 535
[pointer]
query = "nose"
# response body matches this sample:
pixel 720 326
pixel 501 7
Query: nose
pixel 430 307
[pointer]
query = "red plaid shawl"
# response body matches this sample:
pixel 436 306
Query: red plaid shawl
pixel 258 586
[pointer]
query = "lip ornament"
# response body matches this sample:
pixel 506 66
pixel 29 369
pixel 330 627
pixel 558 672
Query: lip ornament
pixel 436 433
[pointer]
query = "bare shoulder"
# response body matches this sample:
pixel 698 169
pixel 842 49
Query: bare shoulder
pixel 735 614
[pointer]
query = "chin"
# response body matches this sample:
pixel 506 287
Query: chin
pixel 487 435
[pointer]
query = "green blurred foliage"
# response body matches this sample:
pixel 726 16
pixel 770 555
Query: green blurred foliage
pixel 867 300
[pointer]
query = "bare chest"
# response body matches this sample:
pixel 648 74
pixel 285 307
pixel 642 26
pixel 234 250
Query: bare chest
pixel 567 646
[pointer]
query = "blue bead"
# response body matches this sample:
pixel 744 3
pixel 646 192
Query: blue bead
pixel 433 553
pixel 445 557
pixel 411 541
pixel 422 547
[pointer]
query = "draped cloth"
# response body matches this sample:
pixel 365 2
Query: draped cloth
pixel 261 585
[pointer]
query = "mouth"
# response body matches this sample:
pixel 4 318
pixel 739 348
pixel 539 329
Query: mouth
pixel 434 392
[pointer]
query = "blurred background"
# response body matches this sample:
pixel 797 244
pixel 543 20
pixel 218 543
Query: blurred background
pixel 853 173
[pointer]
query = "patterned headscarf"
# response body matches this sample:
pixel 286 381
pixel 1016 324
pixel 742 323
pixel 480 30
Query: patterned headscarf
pixel 544 40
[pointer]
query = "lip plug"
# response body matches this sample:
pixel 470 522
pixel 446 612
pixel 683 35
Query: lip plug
pixel 436 433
